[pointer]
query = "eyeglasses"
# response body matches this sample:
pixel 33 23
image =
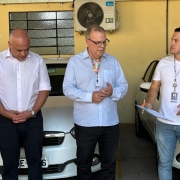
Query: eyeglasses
pixel 105 43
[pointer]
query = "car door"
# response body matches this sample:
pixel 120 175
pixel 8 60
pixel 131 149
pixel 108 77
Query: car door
pixel 147 119
pixel 151 120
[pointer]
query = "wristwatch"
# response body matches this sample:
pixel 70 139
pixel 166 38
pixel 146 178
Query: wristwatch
pixel 33 113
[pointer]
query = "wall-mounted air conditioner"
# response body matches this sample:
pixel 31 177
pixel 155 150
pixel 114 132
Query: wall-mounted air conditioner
pixel 102 12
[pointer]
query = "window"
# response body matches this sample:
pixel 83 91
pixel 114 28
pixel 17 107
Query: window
pixel 56 74
pixel 150 71
pixel 52 33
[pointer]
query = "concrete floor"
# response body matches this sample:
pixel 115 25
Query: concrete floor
pixel 138 156
pixel 138 161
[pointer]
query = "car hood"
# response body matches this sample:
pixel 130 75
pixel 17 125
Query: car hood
pixel 58 119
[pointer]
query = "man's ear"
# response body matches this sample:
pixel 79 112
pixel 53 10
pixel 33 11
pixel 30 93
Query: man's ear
pixel 9 44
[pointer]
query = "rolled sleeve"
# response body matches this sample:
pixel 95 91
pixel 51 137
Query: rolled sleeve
pixel 44 83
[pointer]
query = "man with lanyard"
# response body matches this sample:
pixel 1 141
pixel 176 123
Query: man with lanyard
pixel 95 81
pixel 167 80
pixel 24 88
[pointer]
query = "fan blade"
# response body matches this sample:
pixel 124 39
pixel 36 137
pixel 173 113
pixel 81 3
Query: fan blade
pixel 90 13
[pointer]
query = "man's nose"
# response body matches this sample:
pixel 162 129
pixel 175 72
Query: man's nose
pixel 102 44
pixel 23 53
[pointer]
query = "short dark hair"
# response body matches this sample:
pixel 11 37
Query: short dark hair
pixel 93 27
pixel 177 29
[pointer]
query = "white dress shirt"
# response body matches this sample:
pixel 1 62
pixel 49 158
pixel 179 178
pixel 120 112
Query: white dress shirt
pixel 80 82
pixel 21 81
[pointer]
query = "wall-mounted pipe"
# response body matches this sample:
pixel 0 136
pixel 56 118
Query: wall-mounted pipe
pixel 167 13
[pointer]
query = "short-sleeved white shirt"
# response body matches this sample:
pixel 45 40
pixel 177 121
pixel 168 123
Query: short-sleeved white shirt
pixel 165 72
pixel 21 81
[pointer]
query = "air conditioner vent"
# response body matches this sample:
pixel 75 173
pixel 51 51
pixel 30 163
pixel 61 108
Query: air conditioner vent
pixel 90 13
pixel 103 13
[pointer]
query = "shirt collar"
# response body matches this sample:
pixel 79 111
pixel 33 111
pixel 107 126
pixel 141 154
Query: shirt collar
pixel 86 55
pixel 10 55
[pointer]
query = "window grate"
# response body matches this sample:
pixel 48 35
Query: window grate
pixel 52 33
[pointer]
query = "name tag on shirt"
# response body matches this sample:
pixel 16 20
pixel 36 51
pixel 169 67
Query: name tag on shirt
pixel 174 97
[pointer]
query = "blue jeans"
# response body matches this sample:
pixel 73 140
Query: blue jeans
pixel 166 136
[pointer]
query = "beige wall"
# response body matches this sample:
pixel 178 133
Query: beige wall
pixel 140 38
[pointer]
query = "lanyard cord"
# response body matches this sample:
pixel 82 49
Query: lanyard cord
pixel 96 66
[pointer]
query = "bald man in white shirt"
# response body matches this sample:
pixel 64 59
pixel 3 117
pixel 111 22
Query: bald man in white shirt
pixel 24 88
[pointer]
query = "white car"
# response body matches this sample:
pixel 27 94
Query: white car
pixel 146 120
pixel 59 146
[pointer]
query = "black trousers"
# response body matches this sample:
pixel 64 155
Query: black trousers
pixel 30 134
pixel 86 139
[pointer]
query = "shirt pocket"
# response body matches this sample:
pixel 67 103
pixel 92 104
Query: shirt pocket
pixel 109 76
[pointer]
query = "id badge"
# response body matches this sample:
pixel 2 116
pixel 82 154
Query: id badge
pixel 97 86
pixel 97 82
pixel 174 97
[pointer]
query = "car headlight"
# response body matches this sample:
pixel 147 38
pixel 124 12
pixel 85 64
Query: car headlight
pixel 72 131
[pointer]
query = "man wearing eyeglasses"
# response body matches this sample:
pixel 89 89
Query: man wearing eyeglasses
pixel 95 81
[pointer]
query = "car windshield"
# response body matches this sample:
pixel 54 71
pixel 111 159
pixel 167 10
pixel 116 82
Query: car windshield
pixel 150 71
pixel 56 74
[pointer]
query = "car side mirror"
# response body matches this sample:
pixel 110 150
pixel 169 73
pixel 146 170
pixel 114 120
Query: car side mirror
pixel 145 86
